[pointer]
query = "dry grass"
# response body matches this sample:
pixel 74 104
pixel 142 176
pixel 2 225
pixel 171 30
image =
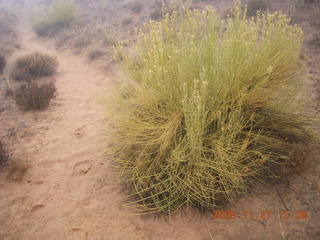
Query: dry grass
pixel 118 54
pixel 212 106
pixel 32 65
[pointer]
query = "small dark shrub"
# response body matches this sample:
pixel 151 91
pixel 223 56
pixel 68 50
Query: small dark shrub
pixel 311 1
pixel 315 40
pixel 256 5
pixel 137 7
pixel 126 21
pixel 118 55
pixel 34 96
pixel 208 0
pixel 109 40
pixel 96 53
pixel 82 43
pixel 33 65
pixel 156 14
pixel 3 155
pixel 2 63
pixel 7 92
pixel 16 169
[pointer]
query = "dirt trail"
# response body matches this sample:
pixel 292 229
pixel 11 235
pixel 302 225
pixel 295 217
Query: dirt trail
pixel 70 192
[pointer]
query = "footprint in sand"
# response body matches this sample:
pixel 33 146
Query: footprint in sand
pixel 37 207
pixel 79 132
pixel 81 168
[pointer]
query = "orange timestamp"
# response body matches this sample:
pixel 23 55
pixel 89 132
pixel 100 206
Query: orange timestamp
pixel 260 215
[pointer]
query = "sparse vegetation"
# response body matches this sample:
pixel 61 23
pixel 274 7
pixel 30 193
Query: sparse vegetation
pixel 4 157
pixel 59 15
pixel 256 5
pixel 2 63
pixel 95 53
pixel 82 42
pixel 32 65
pixel 156 14
pixel 126 21
pixel 311 1
pixel 8 35
pixel 34 95
pixel 16 170
pixel 137 7
pixel 213 105
pixel 118 54
pixel 109 40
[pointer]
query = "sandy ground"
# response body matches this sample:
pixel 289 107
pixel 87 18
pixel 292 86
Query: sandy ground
pixel 71 193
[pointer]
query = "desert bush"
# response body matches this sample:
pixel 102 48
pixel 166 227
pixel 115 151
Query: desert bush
pixel 118 53
pixel 156 14
pixel 256 5
pixel 211 106
pixel 126 21
pixel 109 40
pixel 3 155
pixel 58 16
pixel 95 53
pixel 33 95
pixel 16 169
pixel 82 42
pixel 137 7
pixel 311 1
pixel 32 65
pixel 2 63
pixel 161 9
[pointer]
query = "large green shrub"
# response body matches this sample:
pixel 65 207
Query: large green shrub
pixel 58 16
pixel 212 105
